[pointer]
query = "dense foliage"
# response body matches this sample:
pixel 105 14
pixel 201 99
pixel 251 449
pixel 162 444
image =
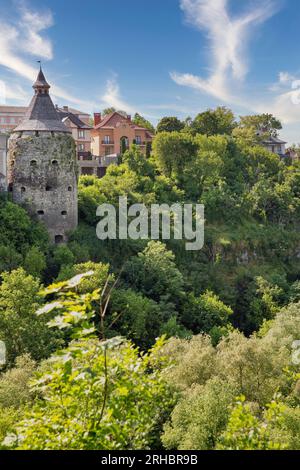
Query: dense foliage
pixel 85 369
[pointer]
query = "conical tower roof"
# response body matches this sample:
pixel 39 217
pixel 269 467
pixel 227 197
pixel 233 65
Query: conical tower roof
pixel 41 114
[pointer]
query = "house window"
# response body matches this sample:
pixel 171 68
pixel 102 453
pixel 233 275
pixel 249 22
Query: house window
pixel 81 134
pixel 138 140
pixel 80 147
pixel 107 139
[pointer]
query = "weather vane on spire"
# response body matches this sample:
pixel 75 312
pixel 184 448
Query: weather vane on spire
pixel 39 62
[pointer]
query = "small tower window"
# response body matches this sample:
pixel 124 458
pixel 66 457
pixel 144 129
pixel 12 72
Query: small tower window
pixel 70 188
pixel 12 162
pixel 23 189
pixel 48 187
pixel 40 212
pixel 58 239
pixel 63 212
pixel 33 163
pixel 54 162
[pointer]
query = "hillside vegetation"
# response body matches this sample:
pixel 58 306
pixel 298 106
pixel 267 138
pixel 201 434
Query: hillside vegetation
pixel 141 344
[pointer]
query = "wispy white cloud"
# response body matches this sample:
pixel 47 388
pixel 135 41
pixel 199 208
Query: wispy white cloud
pixel 112 96
pixel 12 92
pixel 228 37
pixel 285 77
pixel 285 100
pixel 26 37
pixel 33 24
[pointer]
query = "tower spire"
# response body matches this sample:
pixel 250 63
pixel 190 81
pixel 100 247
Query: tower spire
pixel 41 114
pixel 41 85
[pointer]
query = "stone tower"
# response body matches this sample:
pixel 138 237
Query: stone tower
pixel 42 165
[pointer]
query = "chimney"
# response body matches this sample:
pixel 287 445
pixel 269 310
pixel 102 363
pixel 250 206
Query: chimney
pixel 66 108
pixel 97 118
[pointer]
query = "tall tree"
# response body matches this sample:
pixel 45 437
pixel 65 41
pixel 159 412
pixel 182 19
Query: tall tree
pixel 170 124
pixel 107 111
pixel 142 122
pixel 262 123
pixel 213 122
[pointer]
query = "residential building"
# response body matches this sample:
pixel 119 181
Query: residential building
pixel 10 117
pixel 115 132
pixel 275 145
pixel 81 132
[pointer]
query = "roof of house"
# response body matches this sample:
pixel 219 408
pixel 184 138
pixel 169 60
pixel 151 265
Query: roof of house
pixel 72 110
pixel 74 119
pixel 111 120
pixel 41 114
pixel 274 140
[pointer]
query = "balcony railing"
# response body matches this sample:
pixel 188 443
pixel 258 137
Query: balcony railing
pixel 108 142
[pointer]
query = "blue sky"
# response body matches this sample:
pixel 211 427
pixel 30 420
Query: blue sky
pixel 156 57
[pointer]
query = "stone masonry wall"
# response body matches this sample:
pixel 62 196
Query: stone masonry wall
pixel 42 175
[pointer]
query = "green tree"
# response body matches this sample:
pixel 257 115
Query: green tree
pixel 200 417
pixel 135 316
pixel 63 256
pixel 107 111
pixel 127 395
pixel 246 431
pixel 154 273
pixel 203 313
pixel 9 258
pixel 35 262
pixel 213 122
pixel 21 330
pixel 142 122
pixel 263 124
pixel 170 124
pixel 174 152
pixel 123 145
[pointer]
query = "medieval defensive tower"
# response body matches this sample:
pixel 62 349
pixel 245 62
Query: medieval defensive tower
pixel 42 165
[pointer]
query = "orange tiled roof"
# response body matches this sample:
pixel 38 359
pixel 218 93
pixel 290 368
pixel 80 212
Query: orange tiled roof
pixel 111 120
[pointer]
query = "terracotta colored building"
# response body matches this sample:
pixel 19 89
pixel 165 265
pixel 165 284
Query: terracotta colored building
pixel 114 131
pixel 81 129
pixel 10 117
